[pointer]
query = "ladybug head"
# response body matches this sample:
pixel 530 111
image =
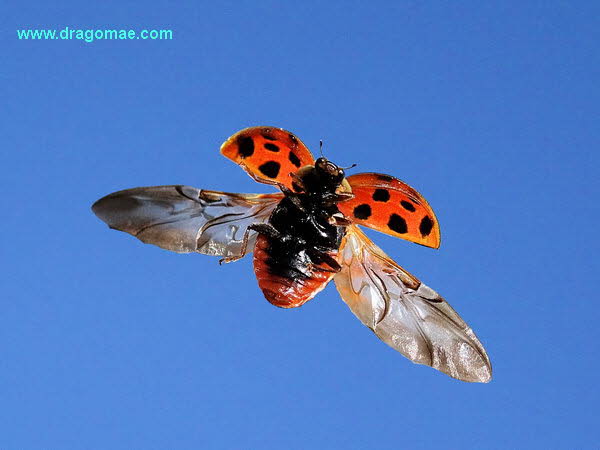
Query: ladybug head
pixel 329 171
pixel 323 177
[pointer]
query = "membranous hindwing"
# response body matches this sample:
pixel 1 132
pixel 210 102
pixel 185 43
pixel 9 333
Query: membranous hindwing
pixel 406 314
pixel 268 154
pixel 389 205
pixel 185 219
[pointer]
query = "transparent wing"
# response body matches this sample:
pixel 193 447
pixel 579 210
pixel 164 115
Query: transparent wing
pixel 405 314
pixel 184 219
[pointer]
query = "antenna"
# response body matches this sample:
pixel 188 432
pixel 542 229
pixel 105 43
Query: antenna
pixel 349 167
pixel 321 148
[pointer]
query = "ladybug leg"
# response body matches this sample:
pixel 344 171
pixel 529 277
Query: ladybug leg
pixel 297 183
pixel 266 229
pixel 344 196
pixel 337 197
pixel 293 196
pixel 319 257
pixel 297 203
pixel 283 188
pixel 242 253
pixel 261 228
pixel 324 269
pixel 339 220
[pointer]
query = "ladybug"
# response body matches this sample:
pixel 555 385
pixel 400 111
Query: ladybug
pixel 306 235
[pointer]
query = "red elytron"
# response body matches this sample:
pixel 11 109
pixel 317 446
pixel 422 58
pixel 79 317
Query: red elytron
pixel 306 236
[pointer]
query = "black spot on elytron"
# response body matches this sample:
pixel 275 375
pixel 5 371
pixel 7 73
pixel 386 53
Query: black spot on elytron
pixel 384 177
pixel 362 212
pixel 293 138
pixel 426 226
pixel 381 195
pixel 270 169
pixel 266 133
pixel 245 146
pixel 408 206
pixel 294 159
pixel 271 147
pixel 397 224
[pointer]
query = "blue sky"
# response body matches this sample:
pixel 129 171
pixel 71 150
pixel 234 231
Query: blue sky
pixel 489 110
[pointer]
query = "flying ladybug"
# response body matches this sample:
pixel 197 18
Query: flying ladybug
pixel 306 235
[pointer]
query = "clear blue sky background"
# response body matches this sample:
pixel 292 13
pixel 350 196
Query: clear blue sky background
pixel 490 110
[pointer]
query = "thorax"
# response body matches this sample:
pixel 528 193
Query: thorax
pixel 306 222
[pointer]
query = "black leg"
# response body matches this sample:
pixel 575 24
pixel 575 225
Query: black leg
pixel 344 196
pixel 297 183
pixel 291 195
pixel 340 221
pixel 319 257
pixel 266 229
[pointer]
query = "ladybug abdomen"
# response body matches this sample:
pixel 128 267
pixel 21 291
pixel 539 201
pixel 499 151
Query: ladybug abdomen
pixel 291 281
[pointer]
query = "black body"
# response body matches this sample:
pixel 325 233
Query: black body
pixel 307 225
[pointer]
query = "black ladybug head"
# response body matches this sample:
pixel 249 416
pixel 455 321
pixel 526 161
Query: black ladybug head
pixel 328 170
pixel 323 177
